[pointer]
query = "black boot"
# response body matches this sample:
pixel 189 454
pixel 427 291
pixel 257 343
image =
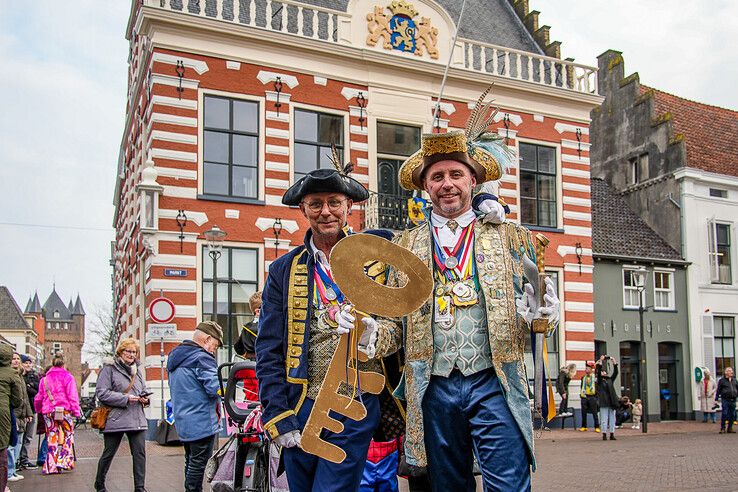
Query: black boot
pixel 612 436
pixel 604 436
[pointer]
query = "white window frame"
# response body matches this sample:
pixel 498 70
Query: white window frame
pixel 319 109
pixel 261 167
pixel 559 180
pixel 670 291
pixel 636 269
pixel 712 251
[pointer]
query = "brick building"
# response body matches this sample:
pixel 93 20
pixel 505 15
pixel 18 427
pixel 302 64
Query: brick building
pixel 17 329
pixel 230 101
pixel 60 327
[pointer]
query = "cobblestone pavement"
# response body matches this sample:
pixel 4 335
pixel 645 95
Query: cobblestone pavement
pixel 672 456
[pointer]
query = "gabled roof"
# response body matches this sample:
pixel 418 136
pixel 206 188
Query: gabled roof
pixel 11 316
pixel 78 309
pixel 54 303
pixel 70 306
pixel 710 133
pixel 618 231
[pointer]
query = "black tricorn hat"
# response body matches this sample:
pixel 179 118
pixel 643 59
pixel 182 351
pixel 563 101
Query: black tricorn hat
pixel 325 180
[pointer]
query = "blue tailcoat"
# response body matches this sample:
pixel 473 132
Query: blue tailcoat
pixel 284 332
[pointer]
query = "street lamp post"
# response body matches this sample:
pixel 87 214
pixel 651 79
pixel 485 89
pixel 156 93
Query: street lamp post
pixel 641 286
pixel 215 237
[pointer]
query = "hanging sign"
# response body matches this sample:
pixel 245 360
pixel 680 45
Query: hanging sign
pixel 161 310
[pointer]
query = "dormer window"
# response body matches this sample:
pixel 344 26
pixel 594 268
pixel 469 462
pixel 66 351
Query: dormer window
pixel 56 314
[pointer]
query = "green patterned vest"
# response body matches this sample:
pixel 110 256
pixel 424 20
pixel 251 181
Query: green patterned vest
pixel 465 344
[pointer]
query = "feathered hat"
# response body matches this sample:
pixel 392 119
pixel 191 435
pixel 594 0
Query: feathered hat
pixel 327 180
pixel 484 152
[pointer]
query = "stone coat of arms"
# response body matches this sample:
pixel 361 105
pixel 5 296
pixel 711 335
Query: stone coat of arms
pixel 401 31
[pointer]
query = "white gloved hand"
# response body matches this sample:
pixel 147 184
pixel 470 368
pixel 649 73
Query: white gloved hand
pixel 494 213
pixel 551 304
pixel 345 320
pixel 368 340
pixel 289 439
pixel 527 306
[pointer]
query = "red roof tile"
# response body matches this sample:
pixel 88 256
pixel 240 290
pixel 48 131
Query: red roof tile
pixel 710 132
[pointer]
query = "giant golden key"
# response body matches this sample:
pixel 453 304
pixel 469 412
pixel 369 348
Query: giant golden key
pixel 348 258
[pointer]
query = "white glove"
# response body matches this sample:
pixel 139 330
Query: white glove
pixel 494 213
pixel 345 320
pixel 551 308
pixel 368 340
pixel 527 306
pixel 290 439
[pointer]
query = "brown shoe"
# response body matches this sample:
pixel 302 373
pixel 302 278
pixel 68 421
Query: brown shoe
pixel 604 437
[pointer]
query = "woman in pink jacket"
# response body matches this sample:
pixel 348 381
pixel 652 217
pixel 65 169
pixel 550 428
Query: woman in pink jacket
pixel 58 402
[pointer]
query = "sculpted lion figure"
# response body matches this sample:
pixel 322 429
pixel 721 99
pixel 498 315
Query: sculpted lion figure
pixel 427 36
pixel 378 26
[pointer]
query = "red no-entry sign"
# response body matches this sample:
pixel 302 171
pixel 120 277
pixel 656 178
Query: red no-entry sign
pixel 161 310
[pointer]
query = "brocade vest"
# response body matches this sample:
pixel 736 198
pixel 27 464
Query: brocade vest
pixel 464 345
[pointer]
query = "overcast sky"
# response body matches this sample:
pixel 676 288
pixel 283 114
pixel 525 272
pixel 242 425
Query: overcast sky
pixel 63 84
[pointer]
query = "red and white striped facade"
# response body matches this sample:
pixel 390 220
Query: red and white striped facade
pixel 242 61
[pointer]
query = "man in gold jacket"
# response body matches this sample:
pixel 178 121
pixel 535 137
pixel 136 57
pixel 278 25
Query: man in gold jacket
pixel 464 380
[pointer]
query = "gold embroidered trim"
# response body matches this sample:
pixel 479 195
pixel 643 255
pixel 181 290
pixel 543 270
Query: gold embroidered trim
pixel 271 427
pixel 444 143
pixel 297 304
pixel 492 168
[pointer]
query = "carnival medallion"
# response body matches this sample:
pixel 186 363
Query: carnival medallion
pixel 451 262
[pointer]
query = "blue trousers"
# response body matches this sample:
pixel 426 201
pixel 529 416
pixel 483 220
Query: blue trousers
pixel 381 476
pixel 307 472
pixel 469 414
pixel 728 415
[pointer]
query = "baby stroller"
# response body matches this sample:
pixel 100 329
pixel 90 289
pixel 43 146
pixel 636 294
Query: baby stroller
pixel 243 410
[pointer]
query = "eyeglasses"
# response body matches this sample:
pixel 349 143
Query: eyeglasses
pixel 130 352
pixel 316 206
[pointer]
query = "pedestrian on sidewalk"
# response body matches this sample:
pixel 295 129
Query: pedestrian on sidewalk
pixel 120 386
pixel 727 391
pixel 11 396
pixel 706 395
pixel 607 371
pixel 638 413
pixel 23 415
pixel 57 402
pixel 193 383
pixel 588 395
pixel 30 377
pixel 562 387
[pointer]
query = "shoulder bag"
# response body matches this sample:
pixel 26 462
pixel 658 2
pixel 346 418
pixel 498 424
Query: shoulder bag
pixel 99 416
pixel 58 411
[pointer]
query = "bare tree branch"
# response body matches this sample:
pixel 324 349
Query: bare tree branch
pixel 100 336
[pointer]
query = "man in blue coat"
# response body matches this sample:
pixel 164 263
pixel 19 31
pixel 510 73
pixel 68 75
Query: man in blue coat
pixel 193 384
pixel 299 331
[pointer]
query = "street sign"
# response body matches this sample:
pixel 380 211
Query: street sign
pixel 172 272
pixel 162 330
pixel 161 310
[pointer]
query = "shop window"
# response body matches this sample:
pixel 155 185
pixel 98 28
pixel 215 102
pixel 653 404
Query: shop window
pixel 238 272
